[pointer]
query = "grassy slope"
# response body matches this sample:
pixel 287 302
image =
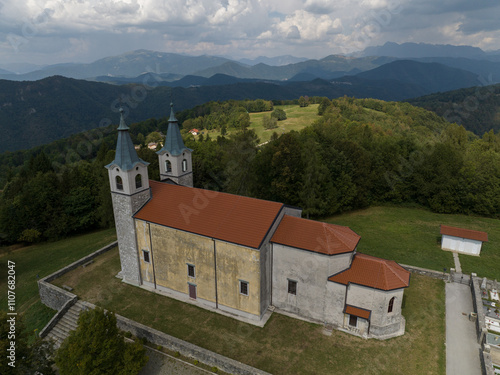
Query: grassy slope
pixel 285 345
pixel 297 119
pixel 411 236
pixel 37 261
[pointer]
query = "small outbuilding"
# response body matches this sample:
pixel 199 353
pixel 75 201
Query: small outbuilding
pixel 464 241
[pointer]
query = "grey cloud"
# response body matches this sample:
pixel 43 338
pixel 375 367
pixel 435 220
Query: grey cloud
pixel 320 8
pixel 428 7
pixel 475 26
pixel 293 33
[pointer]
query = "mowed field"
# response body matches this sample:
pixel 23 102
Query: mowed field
pixel 297 119
pixel 37 261
pixel 411 236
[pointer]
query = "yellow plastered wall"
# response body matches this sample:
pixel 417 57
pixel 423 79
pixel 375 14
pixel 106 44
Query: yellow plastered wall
pixel 235 263
pixel 172 251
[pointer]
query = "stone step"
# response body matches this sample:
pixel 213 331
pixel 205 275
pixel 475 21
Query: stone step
pixel 60 331
pixel 68 325
pixel 74 314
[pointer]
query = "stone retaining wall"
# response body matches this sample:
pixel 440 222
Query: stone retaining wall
pixel 56 318
pixel 426 272
pixel 183 347
pixel 55 297
pixel 61 300
pixel 481 330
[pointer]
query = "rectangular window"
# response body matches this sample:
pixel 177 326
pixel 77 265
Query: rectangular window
pixel 292 287
pixel 191 270
pixel 244 288
pixel 353 320
pixel 145 255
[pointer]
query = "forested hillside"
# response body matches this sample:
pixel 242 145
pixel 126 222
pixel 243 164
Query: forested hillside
pixel 359 153
pixel 476 108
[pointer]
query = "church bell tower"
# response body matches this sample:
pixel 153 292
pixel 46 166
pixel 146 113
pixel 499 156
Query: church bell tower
pixel 128 179
pixel 174 157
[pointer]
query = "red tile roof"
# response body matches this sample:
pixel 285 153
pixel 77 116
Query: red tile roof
pixel 315 236
pixel 464 233
pixel 353 310
pixel 232 218
pixel 373 272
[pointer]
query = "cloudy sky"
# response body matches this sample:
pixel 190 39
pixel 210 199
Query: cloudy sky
pixel 53 31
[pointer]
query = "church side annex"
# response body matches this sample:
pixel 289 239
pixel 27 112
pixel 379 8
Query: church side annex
pixel 244 257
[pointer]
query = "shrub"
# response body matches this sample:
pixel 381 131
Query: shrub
pixel 269 122
pixel 279 114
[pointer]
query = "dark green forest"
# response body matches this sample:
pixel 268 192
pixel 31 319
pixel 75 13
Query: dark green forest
pixel 476 108
pixel 360 152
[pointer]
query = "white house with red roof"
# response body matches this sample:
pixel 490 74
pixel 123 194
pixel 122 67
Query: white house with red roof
pixel 464 241
pixel 241 256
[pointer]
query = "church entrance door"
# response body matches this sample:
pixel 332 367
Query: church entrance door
pixel 192 291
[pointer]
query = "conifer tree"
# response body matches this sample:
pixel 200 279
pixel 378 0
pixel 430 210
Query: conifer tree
pixel 97 347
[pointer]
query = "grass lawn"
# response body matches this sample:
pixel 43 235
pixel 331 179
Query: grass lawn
pixel 411 236
pixel 297 119
pixel 37 261
pixel 285 345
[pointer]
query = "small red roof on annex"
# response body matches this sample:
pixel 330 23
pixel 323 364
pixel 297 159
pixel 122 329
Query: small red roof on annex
pixel 227 217
pixel 315 236
pixel 356 311
pixel 464 233
pixel 373 272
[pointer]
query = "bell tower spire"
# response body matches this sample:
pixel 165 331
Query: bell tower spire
pixel 128 179
pixel 174 157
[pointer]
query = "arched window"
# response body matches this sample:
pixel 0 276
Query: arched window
pixel 138 181
pixel 184 165
pixel 168 166
pixel 119 183
pixel 391 305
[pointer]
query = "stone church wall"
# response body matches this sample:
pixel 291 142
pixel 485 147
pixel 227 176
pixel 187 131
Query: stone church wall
pixel 124 207
pixel 310 270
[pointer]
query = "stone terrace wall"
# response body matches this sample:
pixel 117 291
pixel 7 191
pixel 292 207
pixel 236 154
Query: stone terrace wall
pixel 430 273
pixel 59 299
pixel 183 347
pixel 55 297
pixel 481 330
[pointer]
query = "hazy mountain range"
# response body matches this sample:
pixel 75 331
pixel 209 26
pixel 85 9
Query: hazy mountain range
pixel 417 50
pixel 56 101
pixel 170 66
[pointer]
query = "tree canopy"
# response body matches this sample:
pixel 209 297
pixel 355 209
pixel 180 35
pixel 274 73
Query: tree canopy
pixel 98 347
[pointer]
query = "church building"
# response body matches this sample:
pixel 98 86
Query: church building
pixel 244 257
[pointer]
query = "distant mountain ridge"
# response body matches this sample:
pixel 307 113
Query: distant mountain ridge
pixel 418 50
pixel 167 67
pixel 34 113
pixel 129 64
pixel 432 77
pixel 273 61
